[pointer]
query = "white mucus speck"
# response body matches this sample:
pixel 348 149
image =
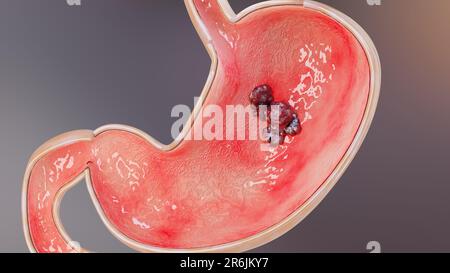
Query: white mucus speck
pixel 123 210
pixel 140 224
pixel 70 163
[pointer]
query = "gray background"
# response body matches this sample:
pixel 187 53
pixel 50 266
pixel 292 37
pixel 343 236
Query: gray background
pixel 121 61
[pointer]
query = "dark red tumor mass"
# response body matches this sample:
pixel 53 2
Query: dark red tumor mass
pixel 261 95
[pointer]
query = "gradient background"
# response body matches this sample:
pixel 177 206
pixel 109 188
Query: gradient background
pixel 130 61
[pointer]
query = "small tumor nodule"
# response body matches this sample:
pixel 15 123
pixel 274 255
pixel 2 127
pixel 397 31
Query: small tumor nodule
pixel 261 95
